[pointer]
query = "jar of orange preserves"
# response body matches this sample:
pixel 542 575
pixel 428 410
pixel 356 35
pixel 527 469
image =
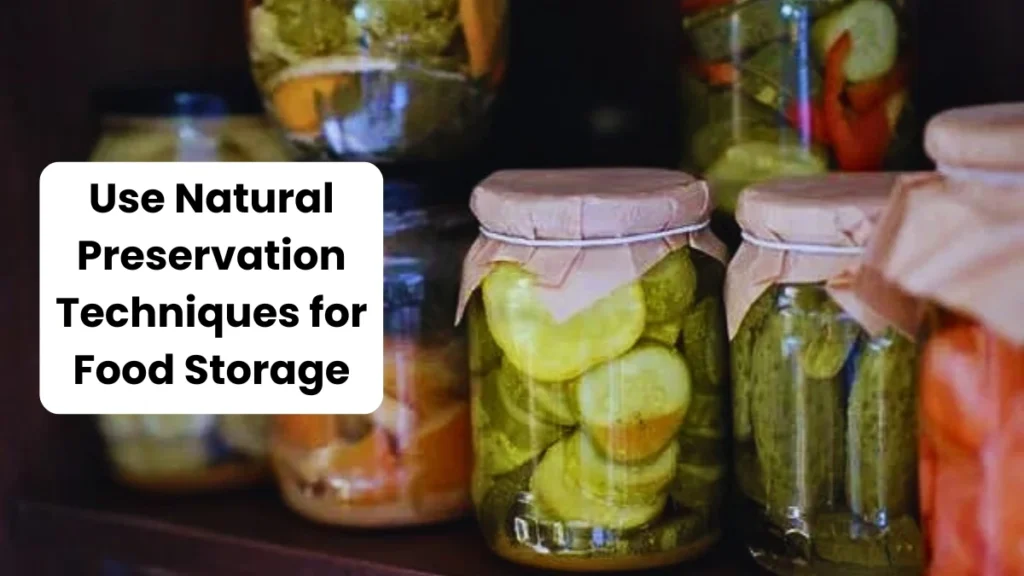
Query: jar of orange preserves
pixel 955 242
pixel 410 461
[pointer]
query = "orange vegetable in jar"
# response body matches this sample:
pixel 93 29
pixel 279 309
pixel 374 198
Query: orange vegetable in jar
pixel 953 242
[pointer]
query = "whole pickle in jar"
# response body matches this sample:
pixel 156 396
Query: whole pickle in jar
pixel 505 435
pixel 827 337
pixel 557 489
pixel 741 355
pixel 557 351
pixel 551 402
pixel 797 423
pixel 621 483
pixel 634 405
pixel 881 431
pixel 669 287
pixel 704 343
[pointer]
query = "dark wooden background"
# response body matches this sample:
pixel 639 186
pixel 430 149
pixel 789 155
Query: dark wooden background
pixel 571 61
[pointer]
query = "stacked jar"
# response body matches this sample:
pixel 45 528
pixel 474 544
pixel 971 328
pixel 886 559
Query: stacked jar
pixel 780 88
pixel 175 453
pixel 409 462
pixel 598 367
pixel 954 242
pixel 378 80
pixel 824 394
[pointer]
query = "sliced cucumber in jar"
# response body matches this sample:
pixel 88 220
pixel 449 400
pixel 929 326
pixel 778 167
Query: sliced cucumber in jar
pixel 621 483
pixel 754 161
pixel 556 486
pixel 874 31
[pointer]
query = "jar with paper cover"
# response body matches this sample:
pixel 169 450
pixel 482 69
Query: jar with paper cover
pixel 824 393
pixel 967 274
pixel 598 361
pixel 777 88
pixel 380 80
pixel 409 462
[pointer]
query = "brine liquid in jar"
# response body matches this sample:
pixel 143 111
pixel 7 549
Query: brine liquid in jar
pixel 600 433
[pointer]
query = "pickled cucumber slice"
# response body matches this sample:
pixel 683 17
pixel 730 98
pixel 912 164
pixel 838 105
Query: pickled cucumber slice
pixel 505 437
pixel 874 30
pixel 705 417
pixel 556 486
pixel 547 350
pixel 734 118
pixel 484 353
pixel 621 483
pixel 666 333
pixel 741 355
pixel 753 161
pixel 704 344
pixel 698 487
pixel 552 402
pixel 798 427
pixel 633 405
pixel 881 431
pixel 669 287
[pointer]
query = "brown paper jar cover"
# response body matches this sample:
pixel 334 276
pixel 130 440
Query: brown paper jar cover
pixel 957 238
pixel 833 210
pixel 585 204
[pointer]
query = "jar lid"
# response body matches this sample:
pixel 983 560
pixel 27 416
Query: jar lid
pixel 588 204
pixel 988 137
pixel 836 209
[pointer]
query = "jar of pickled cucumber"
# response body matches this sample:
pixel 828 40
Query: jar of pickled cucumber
pixel 381 80
pixel 598 367
pixel 185 453
pixel 824 394
pixel 409 462
pixel 181 125
pixel 779 88
pixel 953 243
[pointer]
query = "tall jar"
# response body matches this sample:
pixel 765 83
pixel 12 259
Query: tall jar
pixel 824 393
pixel 381 80
pixel 598 361
pixel 409 462
pixel 954 243
pixel 175 125
pixel 779 88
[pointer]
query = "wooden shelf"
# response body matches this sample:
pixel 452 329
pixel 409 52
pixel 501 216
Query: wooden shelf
pixel 252 532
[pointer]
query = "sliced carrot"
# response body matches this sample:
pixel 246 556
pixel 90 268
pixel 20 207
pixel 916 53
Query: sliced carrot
pixel 305 431
pixel 808 119
pixel 440 452
pixel 482 21
pixel 864 96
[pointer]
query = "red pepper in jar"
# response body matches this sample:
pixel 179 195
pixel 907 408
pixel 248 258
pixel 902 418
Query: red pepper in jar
pixel 859 140
pixel 809 120
pixel 864 96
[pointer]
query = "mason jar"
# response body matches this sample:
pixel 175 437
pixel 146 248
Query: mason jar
pixel 409 462
pixel 776 88
pixel 824 393
pixel 380 80
pixel 951 243
pixel 598 362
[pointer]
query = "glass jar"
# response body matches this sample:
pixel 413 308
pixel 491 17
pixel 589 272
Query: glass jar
pixel 967 273
pixel 409 462
pixel 794 87
pixel 158 125
pixel 184 453
pixel 824 394
pixel 598 368
pixel 379 80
